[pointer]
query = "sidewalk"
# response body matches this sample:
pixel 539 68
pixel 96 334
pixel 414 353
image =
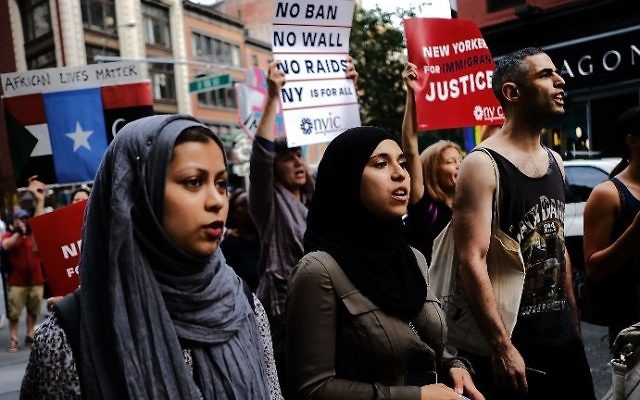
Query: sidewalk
pixel 12 365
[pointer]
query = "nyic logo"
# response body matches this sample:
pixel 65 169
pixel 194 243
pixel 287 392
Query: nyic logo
pixel 323 125
pixel 306 126
pixel 487 113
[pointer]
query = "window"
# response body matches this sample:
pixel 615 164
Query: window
pixel 93 51
pixel 36 18
pixel 215 50
pixel 582 180
pixel 223 98
pixel 162 81
pixel 254 60
pixel 156 25
pixel 497 5
pixel 99 14
pixel 42 60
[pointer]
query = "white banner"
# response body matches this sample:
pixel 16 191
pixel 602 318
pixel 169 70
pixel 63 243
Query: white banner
pixel 311 40
pixel 318 125
pixel 70 78
pixel 309 12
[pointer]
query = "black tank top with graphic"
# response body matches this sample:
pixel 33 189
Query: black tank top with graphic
pixel 532 213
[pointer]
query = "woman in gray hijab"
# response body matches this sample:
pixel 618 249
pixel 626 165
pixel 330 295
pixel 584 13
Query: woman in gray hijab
pixel 161 314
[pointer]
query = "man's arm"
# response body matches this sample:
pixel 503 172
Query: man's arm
pixel 472 216
pixel 410 135
pixel 568 288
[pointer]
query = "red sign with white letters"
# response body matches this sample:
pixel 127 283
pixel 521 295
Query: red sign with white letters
pixel 455 70
pixel 58 235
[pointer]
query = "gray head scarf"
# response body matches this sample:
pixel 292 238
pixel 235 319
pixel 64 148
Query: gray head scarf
pixel 143 299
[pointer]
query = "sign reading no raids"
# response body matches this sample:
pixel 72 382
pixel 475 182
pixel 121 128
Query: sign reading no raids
pixel 311 41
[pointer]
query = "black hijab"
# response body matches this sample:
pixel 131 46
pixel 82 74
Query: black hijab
pixel 143 299
pixel 370 249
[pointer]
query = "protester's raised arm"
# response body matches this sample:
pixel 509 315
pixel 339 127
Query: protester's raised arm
pixel 410 134
pixel 37 190
pixel 275 81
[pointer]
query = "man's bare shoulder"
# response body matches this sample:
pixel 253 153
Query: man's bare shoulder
pixel 476 172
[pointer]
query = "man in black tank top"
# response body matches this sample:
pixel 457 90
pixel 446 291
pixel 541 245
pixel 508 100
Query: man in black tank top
pixel 544 357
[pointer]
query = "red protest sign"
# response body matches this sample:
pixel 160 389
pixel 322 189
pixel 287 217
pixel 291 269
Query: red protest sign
pixel 455 69
pixel 58 235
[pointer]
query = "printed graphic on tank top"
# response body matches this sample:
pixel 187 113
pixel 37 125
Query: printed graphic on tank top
pixel 532 213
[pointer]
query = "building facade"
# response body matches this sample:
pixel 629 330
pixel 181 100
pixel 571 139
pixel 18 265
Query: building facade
pixel 594 44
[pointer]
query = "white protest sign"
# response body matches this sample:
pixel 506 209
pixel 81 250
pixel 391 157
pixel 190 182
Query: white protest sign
pixel 311 40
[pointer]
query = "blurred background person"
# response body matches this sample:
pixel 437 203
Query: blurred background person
pixel 81 193
pixel 25 279
pixel 241 245
pixel 612 231
pixel 280 190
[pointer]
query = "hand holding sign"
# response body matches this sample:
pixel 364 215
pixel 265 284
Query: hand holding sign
pixel 351 71
pixel 276 79
pixel 409 77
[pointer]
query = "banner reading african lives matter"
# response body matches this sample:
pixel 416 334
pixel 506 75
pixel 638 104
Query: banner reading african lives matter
pixel 311 39
pixel 455 70
pixel 60 120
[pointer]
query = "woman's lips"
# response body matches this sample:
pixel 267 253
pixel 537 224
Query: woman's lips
pixel 214 230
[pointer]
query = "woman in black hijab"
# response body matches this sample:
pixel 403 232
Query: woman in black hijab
pixel 161 314
pixel 362 322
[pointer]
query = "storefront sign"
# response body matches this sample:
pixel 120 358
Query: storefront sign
pixel 598 59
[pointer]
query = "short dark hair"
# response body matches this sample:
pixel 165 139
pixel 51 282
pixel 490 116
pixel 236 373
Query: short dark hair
pixel 509 69
pixel 281 147
pixel 81 189
pixel 627 124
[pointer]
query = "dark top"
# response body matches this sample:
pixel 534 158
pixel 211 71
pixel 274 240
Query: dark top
pixel 242 255
pixel 532 213
pixel 427 218
pixel 626 297
pixel 281 219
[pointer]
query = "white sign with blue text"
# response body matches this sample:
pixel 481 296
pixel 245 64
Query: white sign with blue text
pixel 311 41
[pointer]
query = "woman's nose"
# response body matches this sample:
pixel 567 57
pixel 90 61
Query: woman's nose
pixel 215 200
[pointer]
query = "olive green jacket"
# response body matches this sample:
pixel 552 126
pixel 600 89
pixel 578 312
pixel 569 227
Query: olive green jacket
pixel 340 345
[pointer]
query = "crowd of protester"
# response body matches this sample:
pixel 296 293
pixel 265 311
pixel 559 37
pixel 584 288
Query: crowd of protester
pixel 304 288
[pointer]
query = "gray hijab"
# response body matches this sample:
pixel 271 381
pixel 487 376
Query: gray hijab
pixel 143 299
